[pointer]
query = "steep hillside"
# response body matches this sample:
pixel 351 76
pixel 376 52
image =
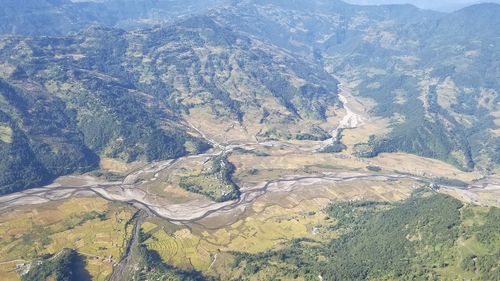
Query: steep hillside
pixel 256 70
pixel 40 137
pixel 432 77
pixel 409 240
pixel 127 96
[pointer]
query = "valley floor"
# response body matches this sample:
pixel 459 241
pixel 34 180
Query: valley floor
pixel 284 188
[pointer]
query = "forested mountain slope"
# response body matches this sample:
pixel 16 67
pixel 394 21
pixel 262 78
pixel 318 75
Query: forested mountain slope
pixel 248 140
pixel 433 76
pixel 250 71
pixel 426 237
pixel 124 95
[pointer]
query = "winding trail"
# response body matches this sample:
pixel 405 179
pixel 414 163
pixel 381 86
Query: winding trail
pixel 204 136
pixel 213 262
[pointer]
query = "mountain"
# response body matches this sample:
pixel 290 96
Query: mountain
pixel 253 70
pixel 50 17
pixel 59 17
pixel 127 95
pixel 248 140
pixel 444 5
pixel 432 76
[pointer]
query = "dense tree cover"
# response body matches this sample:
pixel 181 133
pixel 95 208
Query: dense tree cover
pixel 124 91
pixel 222 170
pixel 45 141
pixel 103 120
pixel 380 244
pixel 106 102
pixel 400 64
pixel 336 146
pixel 417 239
pixel 423 131
pixel 66 265
pixel 314 133
pixel 374 168
pixel 431 128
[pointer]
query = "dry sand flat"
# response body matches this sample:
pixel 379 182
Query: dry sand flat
pixel 189 211
pixel 286 158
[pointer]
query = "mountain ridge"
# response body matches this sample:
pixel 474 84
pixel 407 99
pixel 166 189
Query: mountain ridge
pixel 220 70
pixel 402 50
pixel 129 93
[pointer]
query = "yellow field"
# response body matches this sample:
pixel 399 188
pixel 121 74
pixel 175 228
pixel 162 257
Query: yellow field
pixel 286 160
pixel 5 133
pixel 223 131
pixel 117 166
pixel 268 223
pixel 226 130
pixel 409 163
pixel 377 127
pixel 181 248
pixel 170 192
pixel 26 234
pixel 290 160
pixel 270 228
pixel 148 226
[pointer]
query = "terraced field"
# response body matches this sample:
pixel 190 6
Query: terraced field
pixel 268 223
pixel 284 187
pixel 96 228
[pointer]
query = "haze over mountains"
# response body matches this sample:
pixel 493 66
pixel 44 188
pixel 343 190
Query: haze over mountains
pixel 431 77
pixel 249 140
pixel 442 5
pixel 58 17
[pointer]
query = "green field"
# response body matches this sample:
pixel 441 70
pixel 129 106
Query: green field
pixel 214 180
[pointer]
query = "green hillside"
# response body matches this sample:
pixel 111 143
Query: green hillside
pixel 123 94
pixel 426 237
pixel 433 75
